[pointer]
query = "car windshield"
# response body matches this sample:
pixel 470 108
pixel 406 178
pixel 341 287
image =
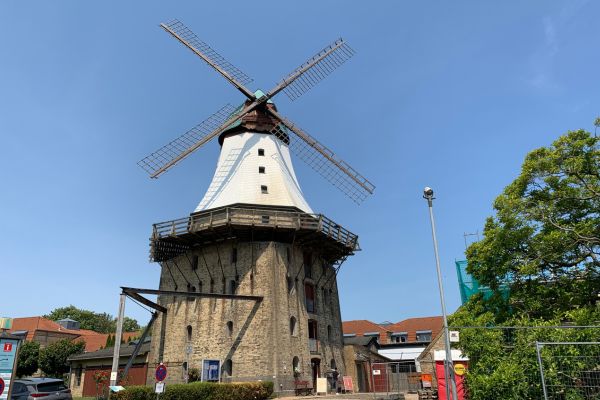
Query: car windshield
pixel 51 386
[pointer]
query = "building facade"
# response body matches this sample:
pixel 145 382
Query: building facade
pixel 262 267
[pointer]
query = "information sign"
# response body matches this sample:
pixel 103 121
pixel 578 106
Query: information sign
pixel 8 354
pixel 2 386
pixel 160 387
pixel 161 372
pixel 211 370
pixel 376 372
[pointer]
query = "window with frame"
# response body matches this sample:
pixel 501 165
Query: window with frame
pixel 307 261
pixel 310 300
pixel 423 336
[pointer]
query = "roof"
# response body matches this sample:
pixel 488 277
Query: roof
pixel 124 351
pixel 361 341
pixel 93 340
pixel 412 325
pixel 361 326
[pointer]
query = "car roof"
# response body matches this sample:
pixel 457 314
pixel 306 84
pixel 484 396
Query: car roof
pixel 38 380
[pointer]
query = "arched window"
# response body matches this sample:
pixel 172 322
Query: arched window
pixel 329 333
pixel 293 326
pixel 228 368
pixel 229 328
pixel 296 366
pixel 189 333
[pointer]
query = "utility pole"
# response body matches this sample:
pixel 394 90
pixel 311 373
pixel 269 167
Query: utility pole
pixel 114 374
pixel 448 364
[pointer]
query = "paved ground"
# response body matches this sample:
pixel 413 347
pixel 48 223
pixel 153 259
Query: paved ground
pixel 358 396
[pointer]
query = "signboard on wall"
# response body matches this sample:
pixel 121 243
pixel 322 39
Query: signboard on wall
pixel 348 384
pixel 211 370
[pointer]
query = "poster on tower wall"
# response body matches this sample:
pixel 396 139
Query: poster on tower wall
pixel 211 370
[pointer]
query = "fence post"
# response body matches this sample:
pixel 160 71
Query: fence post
pixel 538 347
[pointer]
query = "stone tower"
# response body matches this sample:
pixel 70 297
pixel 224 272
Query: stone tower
pixel 262 267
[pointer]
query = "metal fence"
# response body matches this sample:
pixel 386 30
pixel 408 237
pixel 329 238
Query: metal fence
pixel 569 370
pixel 528 362
pixel 395 377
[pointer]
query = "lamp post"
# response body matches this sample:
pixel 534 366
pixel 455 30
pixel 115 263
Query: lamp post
pixel 450 383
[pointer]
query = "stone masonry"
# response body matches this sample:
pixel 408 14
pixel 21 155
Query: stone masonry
pixel 255 340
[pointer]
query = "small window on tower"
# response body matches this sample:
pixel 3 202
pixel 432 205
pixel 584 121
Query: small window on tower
pixel 261 170
pixel 264 189
pixel 234 255
pixel 261 152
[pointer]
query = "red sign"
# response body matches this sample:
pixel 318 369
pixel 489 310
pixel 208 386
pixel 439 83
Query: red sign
pixel 348 384
pixel 8 347
pixel 2 386
pixel 161 372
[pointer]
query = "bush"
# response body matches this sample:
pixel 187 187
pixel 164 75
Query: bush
pixel 200 391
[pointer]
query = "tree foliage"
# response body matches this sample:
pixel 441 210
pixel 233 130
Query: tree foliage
pixel 544 240
pixel 543 245
pixel 53 358
pixel 99 322
pixel 27 363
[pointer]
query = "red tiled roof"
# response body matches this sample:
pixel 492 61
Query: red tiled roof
pixel 362 326
pixel 93 340
pixel 412 325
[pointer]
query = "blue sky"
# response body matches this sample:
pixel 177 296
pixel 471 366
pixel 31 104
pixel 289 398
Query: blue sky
pixel 446 94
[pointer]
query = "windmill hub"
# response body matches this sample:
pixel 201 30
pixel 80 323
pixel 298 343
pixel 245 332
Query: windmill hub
pixel 259 120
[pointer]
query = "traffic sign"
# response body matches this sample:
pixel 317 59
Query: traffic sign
pixel 459 369
pixel 161 372
pixel 2 386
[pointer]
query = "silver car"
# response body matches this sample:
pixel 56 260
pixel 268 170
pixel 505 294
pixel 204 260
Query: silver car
pixel 34 388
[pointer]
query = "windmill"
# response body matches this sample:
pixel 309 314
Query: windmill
pixel 259 109
pixel 255 261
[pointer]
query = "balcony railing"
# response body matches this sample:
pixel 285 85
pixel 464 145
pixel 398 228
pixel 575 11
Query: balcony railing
pixel 241 216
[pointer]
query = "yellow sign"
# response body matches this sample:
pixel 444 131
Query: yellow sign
pixel 459 369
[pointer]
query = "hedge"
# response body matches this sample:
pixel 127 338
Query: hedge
pixel 200 391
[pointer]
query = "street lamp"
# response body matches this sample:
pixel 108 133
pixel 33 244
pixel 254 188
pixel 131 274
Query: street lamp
pixel 450 383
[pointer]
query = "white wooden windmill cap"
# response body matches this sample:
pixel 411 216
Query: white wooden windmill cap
pixel 254 168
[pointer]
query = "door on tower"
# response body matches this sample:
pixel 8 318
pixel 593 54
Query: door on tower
pixel 316 371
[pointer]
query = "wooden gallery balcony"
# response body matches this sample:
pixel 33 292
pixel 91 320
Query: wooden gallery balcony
pixel 172 238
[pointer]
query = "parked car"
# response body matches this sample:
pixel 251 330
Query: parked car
pixel 34 388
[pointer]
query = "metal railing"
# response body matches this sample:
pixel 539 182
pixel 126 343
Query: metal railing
pixel 240 216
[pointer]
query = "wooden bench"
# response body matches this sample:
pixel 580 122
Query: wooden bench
pixel 302 388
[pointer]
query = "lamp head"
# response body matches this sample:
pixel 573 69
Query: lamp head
pixel 428 192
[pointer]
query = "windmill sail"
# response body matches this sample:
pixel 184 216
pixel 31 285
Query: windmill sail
pixel 161 159
pixel 324 161
pixel 188 38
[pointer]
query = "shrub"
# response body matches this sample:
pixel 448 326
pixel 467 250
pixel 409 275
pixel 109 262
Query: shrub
pixel 200 391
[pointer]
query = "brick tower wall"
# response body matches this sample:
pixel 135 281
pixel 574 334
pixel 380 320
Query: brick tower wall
pixel 261 345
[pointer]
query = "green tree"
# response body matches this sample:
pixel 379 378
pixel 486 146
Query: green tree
pixel 544 240
pixel 130 325
pixel 53 358
pixel 543 243
pixel 99 322
pixel 27 363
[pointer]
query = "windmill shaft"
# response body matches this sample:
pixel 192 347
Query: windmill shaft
pixel 288 81
pixel 325 152
pixel 210 62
